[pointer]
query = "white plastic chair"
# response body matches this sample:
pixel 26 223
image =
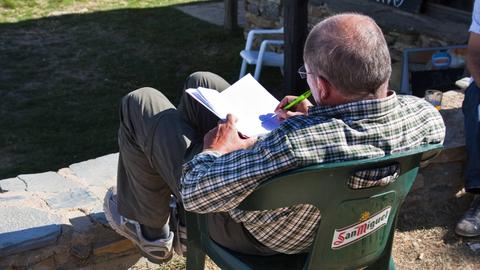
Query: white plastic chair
pixel 261 57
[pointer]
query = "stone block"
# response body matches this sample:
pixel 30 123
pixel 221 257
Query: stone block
pixel 101 171
pixel 259 22
pixel 99 217
pixel 75 198
pixel 24 228
pixel 81 251
pixel 81 224
pixel 391 39
pixel 47 182
pixel 46 264
pixel 407 38
pixel 318 11
pixel 427 41
pixel 115 247
pixel 271 10
pixel 12 184
pixel 252 8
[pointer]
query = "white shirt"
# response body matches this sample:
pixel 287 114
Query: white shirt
pixel 475 26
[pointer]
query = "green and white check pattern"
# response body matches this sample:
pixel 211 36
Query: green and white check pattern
pixel 358 130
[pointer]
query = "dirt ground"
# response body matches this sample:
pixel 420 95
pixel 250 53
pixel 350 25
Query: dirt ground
pixel 425 237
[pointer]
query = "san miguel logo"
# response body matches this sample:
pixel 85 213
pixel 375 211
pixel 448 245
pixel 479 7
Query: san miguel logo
pixel 366 226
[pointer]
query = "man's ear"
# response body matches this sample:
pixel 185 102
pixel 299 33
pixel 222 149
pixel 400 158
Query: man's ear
pixel 326 87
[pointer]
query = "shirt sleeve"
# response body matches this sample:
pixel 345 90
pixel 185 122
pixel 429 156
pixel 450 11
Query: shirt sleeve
pixel 475 26
pixel 213 183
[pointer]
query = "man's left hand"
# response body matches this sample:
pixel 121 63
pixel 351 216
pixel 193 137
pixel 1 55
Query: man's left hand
pixel 225 138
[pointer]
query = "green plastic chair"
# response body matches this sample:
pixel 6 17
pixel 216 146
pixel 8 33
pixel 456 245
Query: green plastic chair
pixel 324 186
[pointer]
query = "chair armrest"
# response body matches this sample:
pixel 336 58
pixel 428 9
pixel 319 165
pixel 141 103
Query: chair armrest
pixel 266 31
pixel 253 32
pixel 264 47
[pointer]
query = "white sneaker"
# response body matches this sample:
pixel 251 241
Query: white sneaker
pixel 158 251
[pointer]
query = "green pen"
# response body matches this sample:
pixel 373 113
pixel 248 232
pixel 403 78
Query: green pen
pixel 298 100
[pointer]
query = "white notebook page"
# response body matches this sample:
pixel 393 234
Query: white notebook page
pixel 248 100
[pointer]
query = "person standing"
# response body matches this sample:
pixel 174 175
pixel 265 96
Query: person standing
pixel 469 224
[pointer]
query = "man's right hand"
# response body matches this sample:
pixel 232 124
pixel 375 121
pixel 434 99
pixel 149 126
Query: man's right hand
pixel 300 109
pixel 225 138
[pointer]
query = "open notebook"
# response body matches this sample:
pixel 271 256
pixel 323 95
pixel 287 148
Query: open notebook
pixel 247 99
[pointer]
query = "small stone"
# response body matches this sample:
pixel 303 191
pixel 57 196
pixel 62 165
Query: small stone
pixel 421 256
pixel 81 251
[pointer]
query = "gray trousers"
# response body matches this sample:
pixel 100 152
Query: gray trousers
pixel 155 139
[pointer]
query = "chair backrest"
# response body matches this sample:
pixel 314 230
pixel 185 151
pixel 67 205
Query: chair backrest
pixel 357 225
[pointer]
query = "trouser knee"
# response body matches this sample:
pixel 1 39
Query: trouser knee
pixel 139 96
pixel 207 80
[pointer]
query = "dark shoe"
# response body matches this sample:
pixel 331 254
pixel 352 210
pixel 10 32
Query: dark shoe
pixel 469 224
pixel 157 251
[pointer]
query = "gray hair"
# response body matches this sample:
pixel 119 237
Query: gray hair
pixel 350 51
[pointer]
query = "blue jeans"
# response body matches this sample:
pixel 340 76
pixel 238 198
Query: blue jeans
pixel 472 138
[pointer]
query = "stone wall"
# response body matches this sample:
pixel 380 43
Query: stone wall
pixel 55 220
pixel 401 29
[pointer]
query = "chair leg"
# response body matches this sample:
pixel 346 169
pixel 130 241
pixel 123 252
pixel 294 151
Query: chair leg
pixel 243 70
pixel 392 264
pixel 258 70
pixel 386 260
pixel 195 258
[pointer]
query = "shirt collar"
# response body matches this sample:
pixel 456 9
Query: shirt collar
pixel 370 108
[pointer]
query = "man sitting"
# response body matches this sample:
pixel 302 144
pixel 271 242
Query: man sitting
pixel 347 66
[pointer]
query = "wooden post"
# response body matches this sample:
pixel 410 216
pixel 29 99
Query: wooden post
pixel 231 13
pixel 295 23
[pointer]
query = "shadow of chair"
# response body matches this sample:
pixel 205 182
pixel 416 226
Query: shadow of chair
pixel 357 225
pixel 262 57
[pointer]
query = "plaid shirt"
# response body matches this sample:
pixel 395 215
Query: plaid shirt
pixel 357 130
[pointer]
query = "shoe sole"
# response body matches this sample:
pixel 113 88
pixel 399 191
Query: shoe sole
pixel 466 234
pixel 117 229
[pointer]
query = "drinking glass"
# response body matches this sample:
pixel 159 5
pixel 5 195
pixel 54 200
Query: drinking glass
pixel 434 97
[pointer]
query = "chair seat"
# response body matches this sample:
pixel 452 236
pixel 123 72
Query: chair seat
pixel 277 262
pixel 269 58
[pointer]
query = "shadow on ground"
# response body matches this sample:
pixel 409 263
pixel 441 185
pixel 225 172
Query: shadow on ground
pixel 62 78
